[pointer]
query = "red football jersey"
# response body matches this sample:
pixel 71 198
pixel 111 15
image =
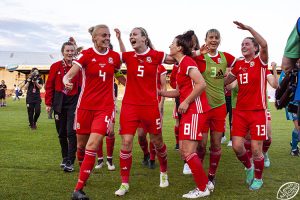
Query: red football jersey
pixel 252 79
pixel 216 58
pixel 141 83
pixel 186 85
pixel 97 78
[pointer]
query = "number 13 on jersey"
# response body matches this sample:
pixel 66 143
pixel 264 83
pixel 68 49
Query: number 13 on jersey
pixel 243 78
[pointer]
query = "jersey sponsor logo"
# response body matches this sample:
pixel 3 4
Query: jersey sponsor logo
pixel 110 60
pixel 219 74
pixel 200 134
pixel 102 65
pixel 288 191
pixel 94 60
pixel 58 72
pixel 252 63
pixel 148 59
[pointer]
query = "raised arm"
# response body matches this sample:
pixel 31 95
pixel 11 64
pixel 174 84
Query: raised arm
pixel 121 44
pixel 273 79
pixel 261 41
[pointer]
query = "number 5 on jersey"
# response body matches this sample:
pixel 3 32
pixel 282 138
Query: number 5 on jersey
pixel 140 71
pixel 102 75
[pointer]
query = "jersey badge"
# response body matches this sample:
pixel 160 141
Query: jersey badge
pixel 149 60
pixel 252 63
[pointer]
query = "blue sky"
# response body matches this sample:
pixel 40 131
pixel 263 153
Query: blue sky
pixel 44 25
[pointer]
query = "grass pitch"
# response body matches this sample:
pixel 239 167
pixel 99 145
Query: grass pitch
pixel 29 164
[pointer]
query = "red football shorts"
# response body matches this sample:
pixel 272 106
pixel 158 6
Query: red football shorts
pixel 134 116
pixel 192 125
pixel 254 121
pixel 216 119
pixel 92 121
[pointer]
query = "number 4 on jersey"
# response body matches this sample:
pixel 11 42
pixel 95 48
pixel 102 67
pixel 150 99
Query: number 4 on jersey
pixel 102 75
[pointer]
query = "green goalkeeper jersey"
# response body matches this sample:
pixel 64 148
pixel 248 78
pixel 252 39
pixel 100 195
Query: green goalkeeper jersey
pixel 214 78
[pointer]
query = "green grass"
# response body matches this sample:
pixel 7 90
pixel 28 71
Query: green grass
pixel 29 164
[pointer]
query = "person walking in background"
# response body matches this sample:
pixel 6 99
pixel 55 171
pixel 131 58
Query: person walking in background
pixel 229 113
pixel 3 89
pixel 16 89
pixel 63 102
pixel 250 113
pixel 33 84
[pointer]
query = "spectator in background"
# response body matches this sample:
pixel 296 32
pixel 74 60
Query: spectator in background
pixel 17 89
pixel 293 117
pixel 3 89
pixel 292 49
pixel 33 84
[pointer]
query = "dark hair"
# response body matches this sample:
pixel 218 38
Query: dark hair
pixel 255 43
pixel 185 41
pixel 66 44
pixel 34 68
pixel 195 44
pixel 144 33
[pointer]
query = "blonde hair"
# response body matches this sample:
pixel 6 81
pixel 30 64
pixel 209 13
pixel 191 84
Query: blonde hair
pixel 92 30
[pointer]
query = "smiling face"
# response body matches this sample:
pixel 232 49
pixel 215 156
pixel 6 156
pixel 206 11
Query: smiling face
pixel 68 52
pixel 248 49
pixel 213 40
pixel 137 39
pixel 101 38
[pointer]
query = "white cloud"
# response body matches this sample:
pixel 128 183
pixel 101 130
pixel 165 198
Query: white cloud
pixel 47 24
